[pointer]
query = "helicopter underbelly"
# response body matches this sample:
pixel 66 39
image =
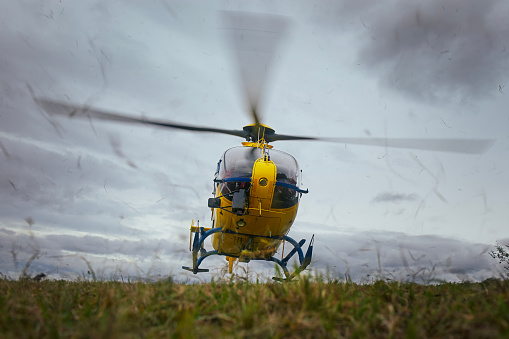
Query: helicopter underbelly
pixel 259 238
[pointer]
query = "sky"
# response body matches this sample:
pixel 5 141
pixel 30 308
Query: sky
pixel 80 198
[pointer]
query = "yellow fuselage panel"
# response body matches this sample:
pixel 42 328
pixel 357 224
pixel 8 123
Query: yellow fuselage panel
pixel 272 223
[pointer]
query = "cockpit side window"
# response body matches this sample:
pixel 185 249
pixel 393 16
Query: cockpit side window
pixel 218 167
pixel 236 169
pixel 287 173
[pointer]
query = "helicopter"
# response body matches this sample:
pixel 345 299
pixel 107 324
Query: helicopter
pixel 256 188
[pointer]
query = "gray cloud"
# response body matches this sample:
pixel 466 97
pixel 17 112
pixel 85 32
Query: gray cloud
pixel 364 256
pixel 360 256
pixel 433 50
pixel 394 197
pixel 69 256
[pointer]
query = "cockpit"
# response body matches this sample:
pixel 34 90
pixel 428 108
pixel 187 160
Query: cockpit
pixel 235 168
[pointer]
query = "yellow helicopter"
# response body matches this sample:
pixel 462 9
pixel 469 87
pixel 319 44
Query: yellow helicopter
pixel 256 196
pixel 256 187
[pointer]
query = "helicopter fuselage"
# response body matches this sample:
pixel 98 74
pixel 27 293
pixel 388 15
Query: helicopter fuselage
pixel 256 191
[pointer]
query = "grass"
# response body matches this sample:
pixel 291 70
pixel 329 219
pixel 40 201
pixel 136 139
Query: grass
pixel 309 308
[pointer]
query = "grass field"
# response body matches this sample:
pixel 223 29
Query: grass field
pixel 308 308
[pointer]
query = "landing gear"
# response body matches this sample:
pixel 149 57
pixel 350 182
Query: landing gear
pixel 303 260
pixel 199 252
pixel 200 234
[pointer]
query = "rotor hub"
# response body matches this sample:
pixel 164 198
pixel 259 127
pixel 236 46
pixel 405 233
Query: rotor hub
pixel 257 132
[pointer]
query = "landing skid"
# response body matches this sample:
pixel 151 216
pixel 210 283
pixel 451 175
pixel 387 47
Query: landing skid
pixel 199 253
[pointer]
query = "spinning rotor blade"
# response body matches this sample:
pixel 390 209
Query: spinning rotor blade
pixel 60 108
pixel 470 146
pixel 254 39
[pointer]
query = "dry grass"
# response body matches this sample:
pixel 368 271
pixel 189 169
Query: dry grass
pixel 305 309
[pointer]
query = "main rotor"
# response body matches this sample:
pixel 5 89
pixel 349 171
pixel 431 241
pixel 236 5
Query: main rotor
pixel 254 39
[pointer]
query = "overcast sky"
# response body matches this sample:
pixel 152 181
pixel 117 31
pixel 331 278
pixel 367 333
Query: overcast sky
pixel 120 198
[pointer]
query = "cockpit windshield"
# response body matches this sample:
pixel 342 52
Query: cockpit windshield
pixel 235 169
pixel 237 162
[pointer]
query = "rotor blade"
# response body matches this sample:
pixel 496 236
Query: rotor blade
pixel 82 111
pixel 470 146
pixel 254 38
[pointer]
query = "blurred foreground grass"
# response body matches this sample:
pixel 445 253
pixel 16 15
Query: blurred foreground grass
pixel 306 308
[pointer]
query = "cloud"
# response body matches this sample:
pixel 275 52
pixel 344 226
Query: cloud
pixel 360 256
pixel 433 50
pixel 394 197
pixel 363 256
pixel 69 256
